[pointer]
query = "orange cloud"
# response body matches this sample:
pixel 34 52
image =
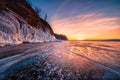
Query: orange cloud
pixel 88 26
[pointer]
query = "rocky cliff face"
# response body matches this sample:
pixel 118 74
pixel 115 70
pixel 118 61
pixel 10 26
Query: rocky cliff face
pixel 19 22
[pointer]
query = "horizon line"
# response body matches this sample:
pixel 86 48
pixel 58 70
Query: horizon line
pixel 97 40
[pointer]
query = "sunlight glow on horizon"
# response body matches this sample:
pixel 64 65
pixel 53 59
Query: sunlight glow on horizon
pixel 80 38
pixel 88 26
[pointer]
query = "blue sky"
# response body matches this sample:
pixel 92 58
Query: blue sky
pixel 78 15
pixel 48 6
pixel 63 8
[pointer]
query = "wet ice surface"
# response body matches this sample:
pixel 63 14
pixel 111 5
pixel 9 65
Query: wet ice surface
pixel 68 60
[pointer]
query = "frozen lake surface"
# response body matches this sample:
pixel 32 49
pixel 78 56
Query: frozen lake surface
pixel 68 60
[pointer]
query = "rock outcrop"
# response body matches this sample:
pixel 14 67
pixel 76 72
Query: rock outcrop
pixel 60 36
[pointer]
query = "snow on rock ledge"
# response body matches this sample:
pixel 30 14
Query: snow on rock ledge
pixel 14 30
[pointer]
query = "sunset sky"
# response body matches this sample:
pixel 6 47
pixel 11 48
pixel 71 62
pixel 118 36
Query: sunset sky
pixel 83 19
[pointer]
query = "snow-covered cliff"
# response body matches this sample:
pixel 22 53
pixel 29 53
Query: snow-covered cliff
pixel 14 28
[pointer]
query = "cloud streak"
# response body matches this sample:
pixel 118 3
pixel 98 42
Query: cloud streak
pixel 87 26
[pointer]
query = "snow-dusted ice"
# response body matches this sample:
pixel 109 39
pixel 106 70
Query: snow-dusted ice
pixel 67 60
pixel 15 30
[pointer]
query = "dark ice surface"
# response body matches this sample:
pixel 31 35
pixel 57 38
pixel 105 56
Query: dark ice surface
pixel 67 60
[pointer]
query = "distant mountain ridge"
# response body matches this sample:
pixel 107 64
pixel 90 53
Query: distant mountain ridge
pixel 19 22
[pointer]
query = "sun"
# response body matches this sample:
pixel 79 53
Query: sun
pixel 80 38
